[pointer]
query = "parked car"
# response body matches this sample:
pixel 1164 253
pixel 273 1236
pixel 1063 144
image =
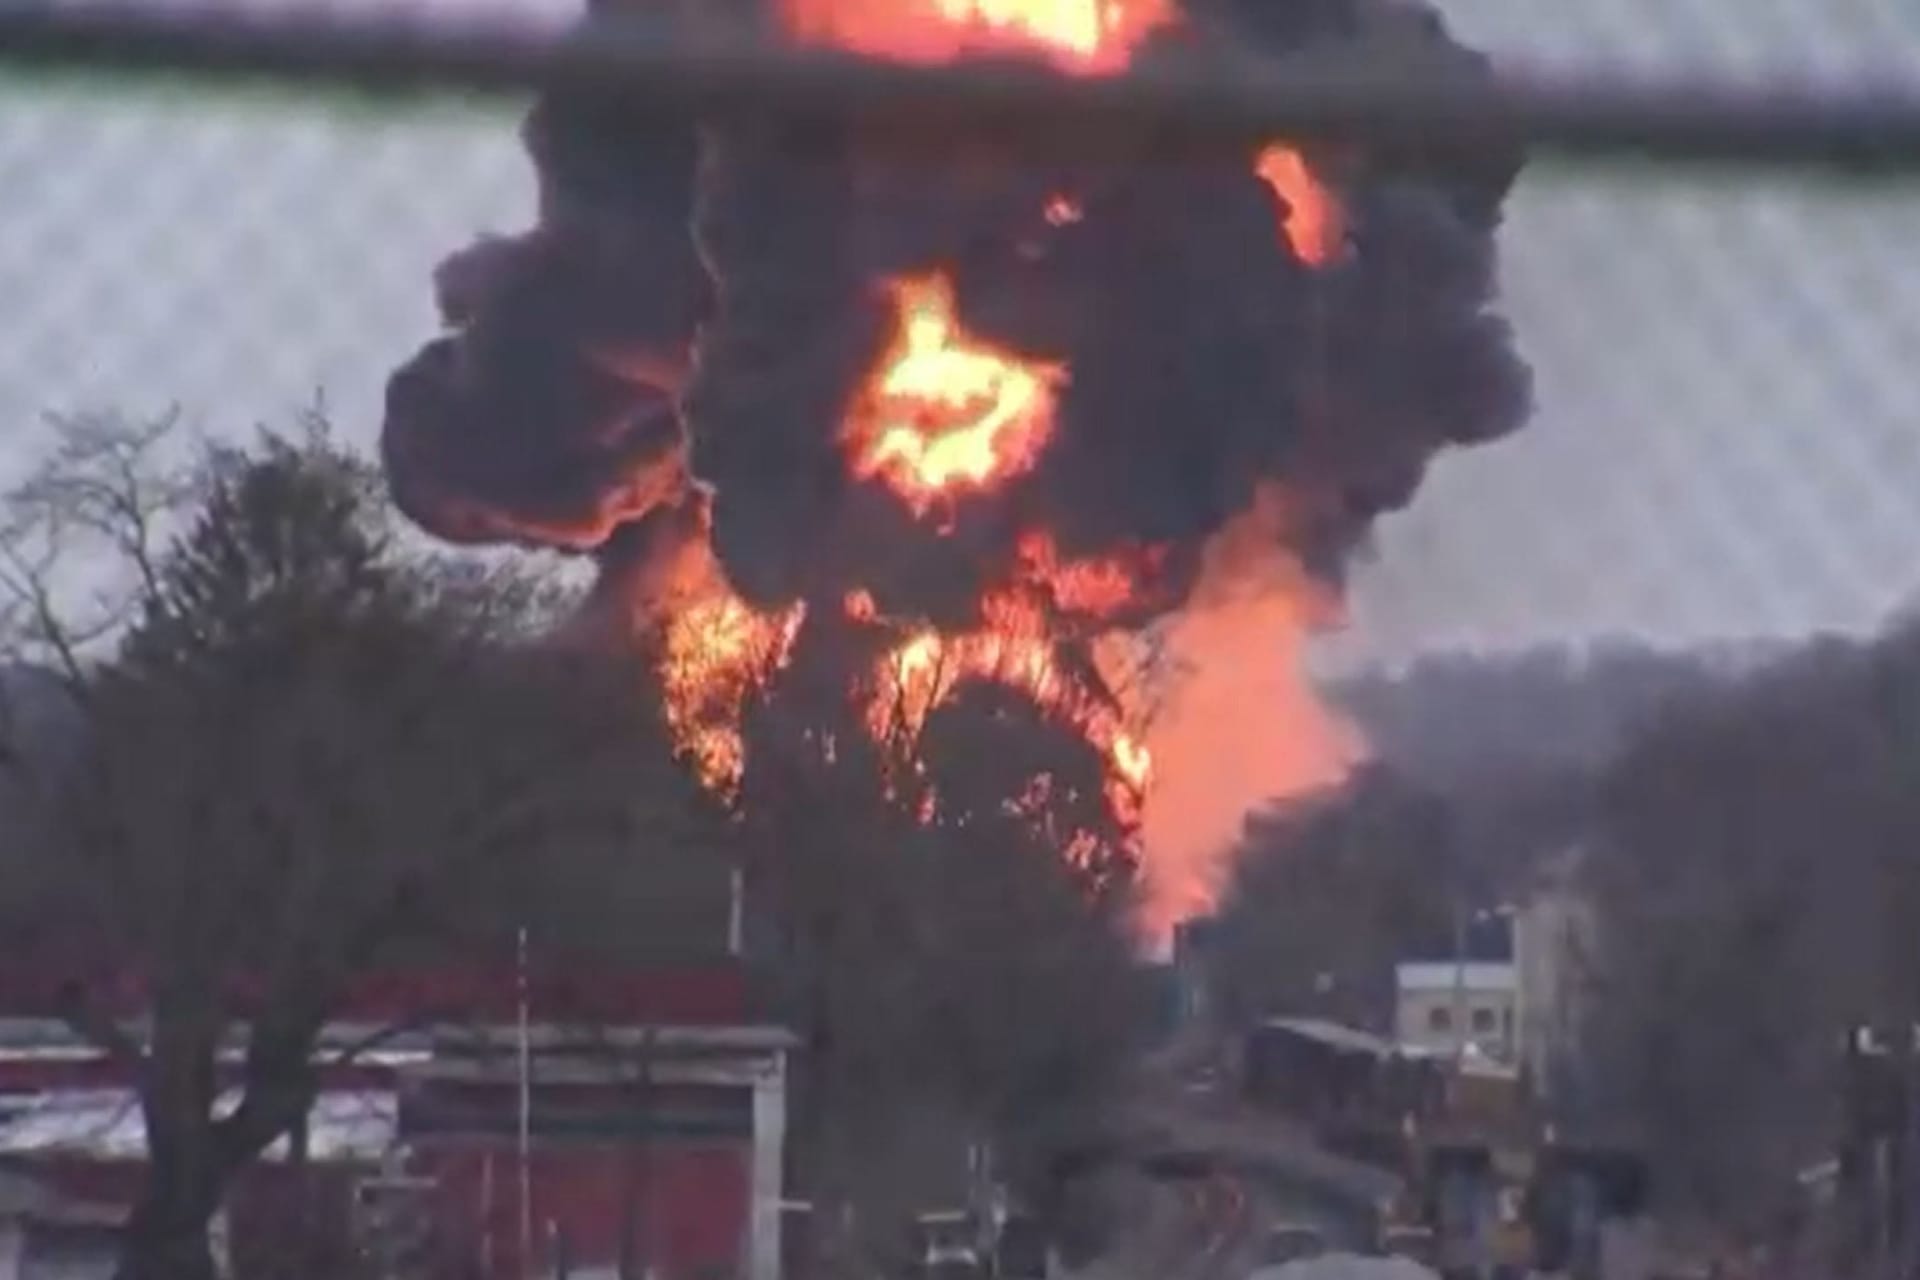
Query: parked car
pixel 1291 1241
pixel 946 1246
pixel 1410 1241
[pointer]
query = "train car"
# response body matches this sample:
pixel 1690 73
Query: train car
pixel 1358 1093
pixel 1547 1208
pixel 1489 1187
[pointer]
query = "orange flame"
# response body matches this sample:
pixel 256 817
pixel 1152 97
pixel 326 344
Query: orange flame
pixel 1227 734
pixel 1079 36
pixel 1097 588
pixel 715 651
pixel 1313 223
pixel 1015 647
pixel 943 413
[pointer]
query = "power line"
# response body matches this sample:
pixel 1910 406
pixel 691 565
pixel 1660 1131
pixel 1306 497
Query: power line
pixel 1859 128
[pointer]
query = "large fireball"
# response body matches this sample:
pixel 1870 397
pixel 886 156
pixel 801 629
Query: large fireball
pixel 1084 438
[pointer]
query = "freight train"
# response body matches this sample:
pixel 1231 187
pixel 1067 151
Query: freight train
pixel 1489 1187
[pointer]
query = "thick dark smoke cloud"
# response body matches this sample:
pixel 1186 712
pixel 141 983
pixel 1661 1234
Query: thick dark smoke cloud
pixel 546 414
pixel 1206 360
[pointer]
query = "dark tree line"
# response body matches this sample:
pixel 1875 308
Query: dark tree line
pixel 1328 893
pixel 1518 744
pixel 1449 718
pixel 1748 834
pixel 1756 881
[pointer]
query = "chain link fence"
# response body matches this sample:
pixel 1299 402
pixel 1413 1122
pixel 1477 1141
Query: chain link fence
pixel 1724 448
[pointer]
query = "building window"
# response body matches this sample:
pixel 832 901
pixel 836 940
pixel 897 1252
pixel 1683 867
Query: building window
pixel 1483 1021
pixel 1440 1019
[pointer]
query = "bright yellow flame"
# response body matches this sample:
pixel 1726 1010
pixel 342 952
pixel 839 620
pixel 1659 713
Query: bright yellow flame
pixel 1063 211
pixel 943 413
pixel 1017 648
pixel 716 650
pixel 1080 36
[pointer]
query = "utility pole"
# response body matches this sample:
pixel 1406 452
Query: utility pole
pixel 486 1215
pixel 648 1139
pixel 526 1110
pixel 1906 1146
pixel 1459 979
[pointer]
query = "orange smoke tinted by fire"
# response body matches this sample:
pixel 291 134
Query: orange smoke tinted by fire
pixel 1079 36
pixel 1313 223
pixel 1238 721
pixel 715 651
pixel 942 413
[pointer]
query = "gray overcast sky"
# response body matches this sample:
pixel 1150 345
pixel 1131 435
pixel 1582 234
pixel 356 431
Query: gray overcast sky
pixel 1728 440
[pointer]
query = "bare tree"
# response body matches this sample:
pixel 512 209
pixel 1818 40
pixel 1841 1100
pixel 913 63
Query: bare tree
pixel 1755 880
pixel 300 756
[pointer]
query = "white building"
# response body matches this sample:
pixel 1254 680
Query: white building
pixel 1449 1007
pixel 1524 1012
pixel 1553 943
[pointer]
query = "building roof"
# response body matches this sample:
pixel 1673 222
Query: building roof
pixel 1445 975
pixel 713 993
pixel 106 1124
pixel 1345 1266
pixel 1474 1061
pixel 1336 1035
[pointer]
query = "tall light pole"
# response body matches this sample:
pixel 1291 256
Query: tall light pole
pixel 1459 979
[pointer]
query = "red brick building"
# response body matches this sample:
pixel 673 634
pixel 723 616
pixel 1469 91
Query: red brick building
pixel 625 1124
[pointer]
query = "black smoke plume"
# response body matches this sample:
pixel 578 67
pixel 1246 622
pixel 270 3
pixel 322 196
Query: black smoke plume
pixel 703 302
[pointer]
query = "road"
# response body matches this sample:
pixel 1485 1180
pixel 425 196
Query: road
pixel 1182 1229
pixel 1238 1173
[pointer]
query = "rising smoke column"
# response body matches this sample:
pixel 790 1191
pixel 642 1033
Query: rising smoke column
pixel 987 410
